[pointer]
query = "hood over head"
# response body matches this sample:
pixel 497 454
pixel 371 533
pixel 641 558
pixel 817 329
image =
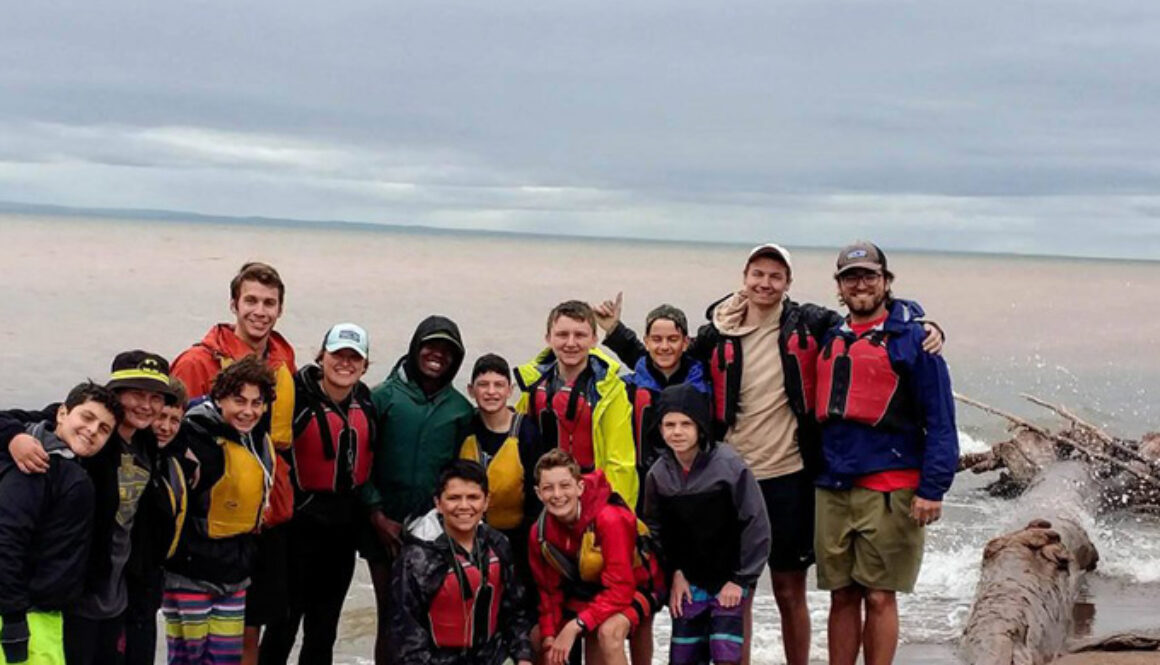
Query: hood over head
pixel 684 398
pixel 595 496
pixel 223 341
pixel 426 529
pixel 433 328
pixel 729 314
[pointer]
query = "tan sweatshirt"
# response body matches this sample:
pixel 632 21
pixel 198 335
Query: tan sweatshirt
pixel 765 434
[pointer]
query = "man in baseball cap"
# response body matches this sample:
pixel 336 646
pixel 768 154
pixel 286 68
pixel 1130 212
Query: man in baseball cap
pixel 889 448
pixel 864 255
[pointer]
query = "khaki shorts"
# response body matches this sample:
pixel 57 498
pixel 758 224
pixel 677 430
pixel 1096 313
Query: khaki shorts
pixel 867 537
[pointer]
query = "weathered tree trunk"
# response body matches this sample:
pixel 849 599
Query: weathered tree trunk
pixel 1023 603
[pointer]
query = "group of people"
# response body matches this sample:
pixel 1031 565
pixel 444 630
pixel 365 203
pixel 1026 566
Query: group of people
pixel 233 491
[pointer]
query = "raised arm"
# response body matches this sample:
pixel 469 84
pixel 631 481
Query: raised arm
pixel 618 337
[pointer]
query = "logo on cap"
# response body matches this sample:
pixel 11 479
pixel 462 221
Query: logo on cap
pixel 857 254
pixel 350 335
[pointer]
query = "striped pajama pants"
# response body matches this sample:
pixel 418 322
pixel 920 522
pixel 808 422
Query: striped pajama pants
pixel 203 628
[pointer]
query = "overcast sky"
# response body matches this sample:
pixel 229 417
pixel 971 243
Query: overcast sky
pixel 983 125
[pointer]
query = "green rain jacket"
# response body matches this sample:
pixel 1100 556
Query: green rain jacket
pixel 417 433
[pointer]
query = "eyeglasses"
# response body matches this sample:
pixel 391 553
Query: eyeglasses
pixel 868 278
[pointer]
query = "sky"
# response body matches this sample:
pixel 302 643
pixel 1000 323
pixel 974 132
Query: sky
pixel 997 126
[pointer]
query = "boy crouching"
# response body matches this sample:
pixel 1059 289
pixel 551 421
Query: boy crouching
pixel 455 595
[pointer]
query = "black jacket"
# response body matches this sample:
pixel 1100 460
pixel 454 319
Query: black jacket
pixel 45 529
pixel 420 571
pixel 710 523
pixel 102 470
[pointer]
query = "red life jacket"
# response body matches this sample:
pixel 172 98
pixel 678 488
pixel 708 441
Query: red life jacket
pixel 725 372
pixel 856 381
pixel 464 613
pixel 565 419
pixel 328 438
pixel 800 363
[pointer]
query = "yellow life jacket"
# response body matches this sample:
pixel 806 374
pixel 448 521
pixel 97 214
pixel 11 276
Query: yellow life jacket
pixel 237 499
pixel 177 492
pixel 584 571
pixel 505 477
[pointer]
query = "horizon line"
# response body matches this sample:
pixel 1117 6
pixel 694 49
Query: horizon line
pixel 11 208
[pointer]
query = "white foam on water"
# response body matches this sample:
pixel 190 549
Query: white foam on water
pixel 952 574
pixel 1129 548
pixel 969 444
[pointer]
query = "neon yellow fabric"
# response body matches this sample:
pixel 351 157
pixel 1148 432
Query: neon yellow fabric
pixel 46 640
pixel 613 448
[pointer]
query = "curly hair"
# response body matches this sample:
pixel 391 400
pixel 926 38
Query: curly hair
pixel 249 371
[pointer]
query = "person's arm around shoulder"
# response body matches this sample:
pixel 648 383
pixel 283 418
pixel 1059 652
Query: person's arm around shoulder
pixel 409 606
pixel 702 346
pixel 615 448
pixel 931 383
pixel 25 449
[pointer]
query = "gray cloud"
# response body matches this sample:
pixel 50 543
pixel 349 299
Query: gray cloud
pixel 992 126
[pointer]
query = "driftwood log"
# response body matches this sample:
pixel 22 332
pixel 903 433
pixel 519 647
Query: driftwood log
pixel 1129 471
pixel 1022 611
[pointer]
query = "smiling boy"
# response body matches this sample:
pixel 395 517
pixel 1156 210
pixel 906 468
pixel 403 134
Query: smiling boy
pixel 455 595
pixel 226 440
pixel 508 445
pixel 46 526
pixel 587 561
pixel 658 362
pixel 573 393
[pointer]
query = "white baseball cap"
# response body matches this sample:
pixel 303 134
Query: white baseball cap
pixel 774 251
pixel 347 336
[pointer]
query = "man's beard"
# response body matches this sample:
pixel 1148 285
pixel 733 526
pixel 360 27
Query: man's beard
pixel 865 310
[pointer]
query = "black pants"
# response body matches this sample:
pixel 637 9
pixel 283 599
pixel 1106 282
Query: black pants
pixel 321 566
pixel 141 616
pixel 93 641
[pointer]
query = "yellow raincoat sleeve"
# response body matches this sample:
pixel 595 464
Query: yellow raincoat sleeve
pixel 282 411
pixel 612 441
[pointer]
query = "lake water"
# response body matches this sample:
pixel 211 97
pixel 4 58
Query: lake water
pixel 1081 332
